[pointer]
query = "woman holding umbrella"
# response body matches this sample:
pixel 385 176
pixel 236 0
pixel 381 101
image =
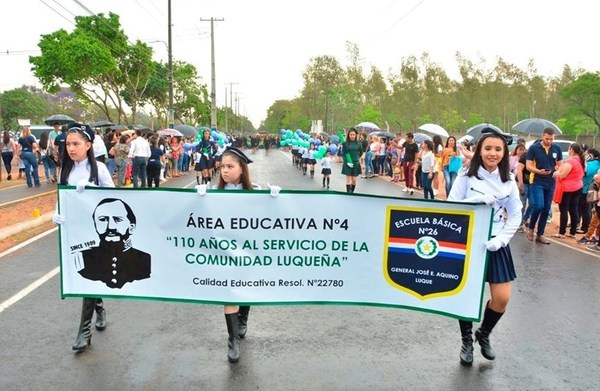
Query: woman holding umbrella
pixel 352 151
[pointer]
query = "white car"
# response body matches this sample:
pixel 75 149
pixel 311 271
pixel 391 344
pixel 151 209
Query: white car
pixel 563 144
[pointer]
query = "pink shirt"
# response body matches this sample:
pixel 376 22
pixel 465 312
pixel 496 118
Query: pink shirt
pixel 574 179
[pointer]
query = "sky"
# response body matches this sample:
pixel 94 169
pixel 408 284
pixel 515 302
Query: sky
pixel 263 46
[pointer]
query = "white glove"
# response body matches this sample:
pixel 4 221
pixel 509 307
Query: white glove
pixel 493 244
pixel 201 189
pixel 487 199
pixel 274 190
pixel 82 184
pixel 350 164
pixel 58 219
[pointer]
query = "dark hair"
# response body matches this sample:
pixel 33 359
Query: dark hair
pixel 429 144
pixel 437 141
pixel 476 162
pixel 576 147
pixel 67 164
pixel 410 135
pixel 5 138
pixel 594 153
pixel 519 145
pixel 549 131
pixel 44 140
pixel 455 143
pixel 123 139
pixel 244 178
pixel 130 214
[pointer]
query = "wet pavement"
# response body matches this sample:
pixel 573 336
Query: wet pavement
pixel 547 340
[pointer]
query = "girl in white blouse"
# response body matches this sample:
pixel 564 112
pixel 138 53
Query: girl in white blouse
pixel 488 180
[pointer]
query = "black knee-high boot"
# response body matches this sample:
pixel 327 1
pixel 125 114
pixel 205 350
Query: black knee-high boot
pixel 328 182
pixel 352 187
pixel 243 320
pixel 198 180
pixel 100 315
pixel 482 335
pixel 323 182
pixel 233 354
pixel 348 188
pixel 84 335
pixel 466 349
pixel 312 173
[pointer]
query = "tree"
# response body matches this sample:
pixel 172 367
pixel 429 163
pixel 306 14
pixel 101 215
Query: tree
pixel 321 76
pixel 20 103
pixel 97 62
pixel 584 96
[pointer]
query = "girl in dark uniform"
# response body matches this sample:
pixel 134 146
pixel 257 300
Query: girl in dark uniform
pixel 80 168
pixel 234 175
pixel 488 180
pixel 352 151
pixel 207 149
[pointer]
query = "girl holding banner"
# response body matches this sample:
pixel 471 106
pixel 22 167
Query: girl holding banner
pixel 234 175
pixel 488 180
pixel 80 168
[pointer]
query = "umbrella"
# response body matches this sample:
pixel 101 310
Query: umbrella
pixel 434 129
pixel 389 135
pixel 466 138
pixel 119 127
pixel 367 126
pixel 420 137
pixel 101 124
pixel 170 132
pixel 475 131
pixel 187 130
pixel 58 118
pixel 535 126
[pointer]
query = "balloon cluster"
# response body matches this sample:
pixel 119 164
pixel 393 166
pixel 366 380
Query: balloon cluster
pixel 300 139
pixel 217 137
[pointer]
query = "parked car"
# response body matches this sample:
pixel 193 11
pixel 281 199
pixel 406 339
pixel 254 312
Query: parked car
pixel 563 144
pixel 37 130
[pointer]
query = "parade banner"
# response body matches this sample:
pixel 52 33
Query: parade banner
pixel 300 247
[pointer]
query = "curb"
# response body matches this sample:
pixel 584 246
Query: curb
pixel 25 225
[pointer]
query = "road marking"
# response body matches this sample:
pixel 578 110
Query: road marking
pixel 27 198
pixel 33 286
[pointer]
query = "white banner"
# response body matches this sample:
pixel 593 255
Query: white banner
pixel 297 248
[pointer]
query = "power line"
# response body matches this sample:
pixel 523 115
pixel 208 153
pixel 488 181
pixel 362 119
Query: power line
pixel 58 13
pixel 401 19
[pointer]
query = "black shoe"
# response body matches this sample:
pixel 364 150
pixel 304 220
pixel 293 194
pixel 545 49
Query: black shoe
pixel 100 319
pixel 484 342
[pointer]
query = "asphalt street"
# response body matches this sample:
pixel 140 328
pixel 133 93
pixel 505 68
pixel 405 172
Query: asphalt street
pixel 548 339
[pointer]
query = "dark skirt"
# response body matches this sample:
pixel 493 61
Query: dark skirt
pixel 326 171
pixel 500 266
pixel 354 171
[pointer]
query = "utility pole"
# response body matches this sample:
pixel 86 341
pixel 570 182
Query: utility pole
pixel 231 84
pixel 171 114
pixel 213 88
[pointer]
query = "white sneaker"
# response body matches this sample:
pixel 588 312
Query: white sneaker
pixel 405 190
pixel 412 192
pixel 435 192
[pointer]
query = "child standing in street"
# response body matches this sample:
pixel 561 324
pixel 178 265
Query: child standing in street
pixel 326 169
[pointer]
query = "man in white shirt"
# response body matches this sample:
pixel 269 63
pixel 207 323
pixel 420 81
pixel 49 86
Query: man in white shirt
pixel 139 153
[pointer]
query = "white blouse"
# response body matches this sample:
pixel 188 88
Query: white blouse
pixel 81 171
pixel 508 201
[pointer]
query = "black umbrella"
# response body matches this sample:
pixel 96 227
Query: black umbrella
pixel 118 127
pixel 101 124
pixel 187 130
pixel 389 135
pixel 535 126
pixel 58 118
pixel 475 131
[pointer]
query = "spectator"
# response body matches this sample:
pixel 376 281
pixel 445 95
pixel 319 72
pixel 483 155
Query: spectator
pixel 570 174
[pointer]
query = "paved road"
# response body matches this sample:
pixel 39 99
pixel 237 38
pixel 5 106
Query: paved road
pixel 548 340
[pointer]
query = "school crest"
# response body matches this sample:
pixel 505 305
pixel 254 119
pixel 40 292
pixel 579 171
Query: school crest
pixel 426 251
